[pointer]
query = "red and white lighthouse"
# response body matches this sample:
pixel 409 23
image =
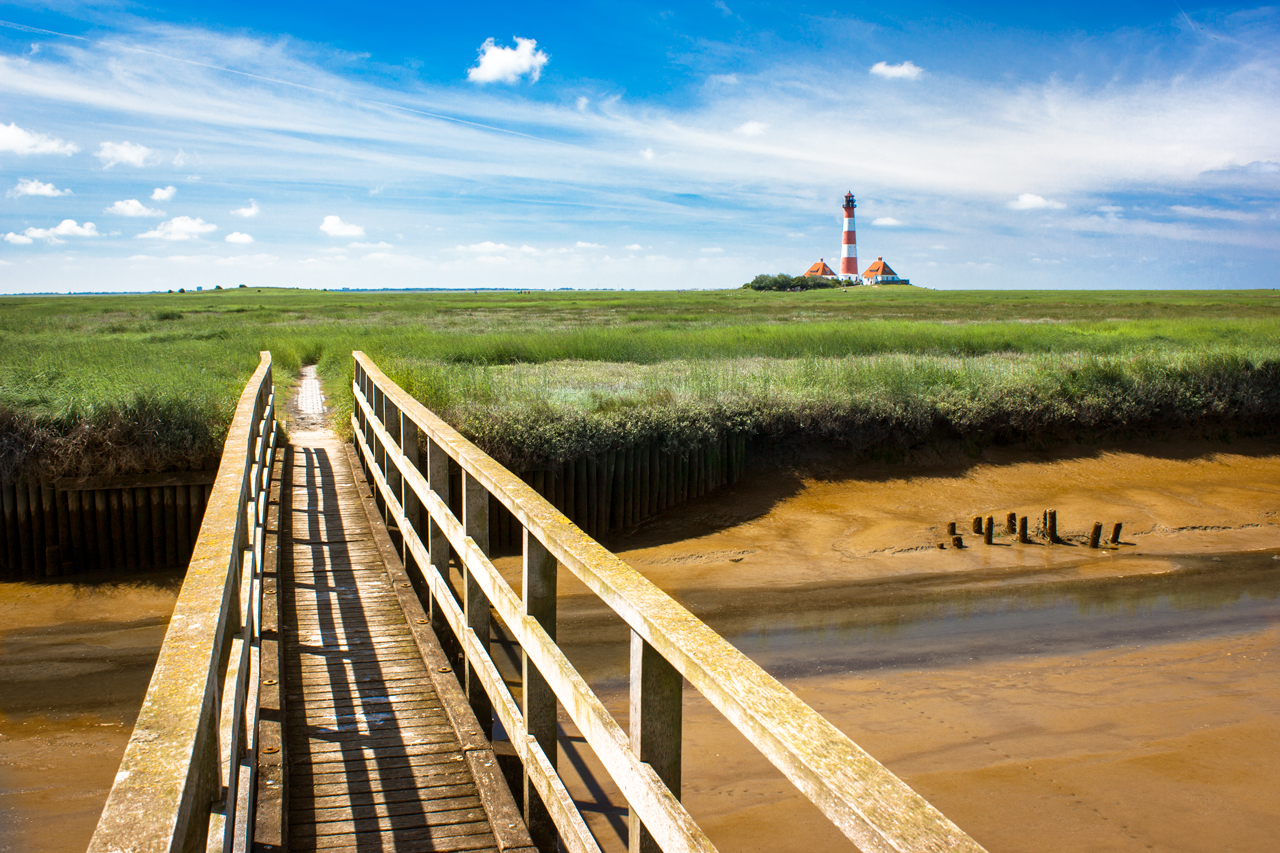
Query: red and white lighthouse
pixel 849 251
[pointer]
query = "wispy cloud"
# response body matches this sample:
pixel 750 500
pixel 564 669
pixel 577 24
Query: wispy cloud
pixel 752 128
pixel 128 153
pixel 30 186
pixel 132 207
pixel 499 64
pixel 180 228
pixel 1214 213
pixel 18 141
pixel 886 220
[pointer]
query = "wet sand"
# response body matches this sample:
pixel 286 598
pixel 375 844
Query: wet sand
pixel 75 660
pixel 1161 742
pixel 830 523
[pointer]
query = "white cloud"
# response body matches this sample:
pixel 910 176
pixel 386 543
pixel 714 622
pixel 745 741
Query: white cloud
pixel 488 246
pixel 113 153
pixel 903 71
pixel 30 186
pixel 163 193
pixel 886 220
pixel 132 207
pixel 65 228
pixel 237 237
pixel 581 245
pixel 507 64
pixel 582 103
pixel 634 247
pixel 646 153
pixel 180 159
pixel 180 228
pixel 724 8
pixel 723 79
pixel 335 227
pixel 1214 213
pixel 1031 201
pixel 752 128
pixel 380 245
pixel 18 141
pixel 1111 208
pixel 711 250
pixel 247 212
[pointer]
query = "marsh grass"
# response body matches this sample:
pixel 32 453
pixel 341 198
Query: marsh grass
pixel 148 382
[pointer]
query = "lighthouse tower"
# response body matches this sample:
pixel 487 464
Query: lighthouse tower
pixel 849 252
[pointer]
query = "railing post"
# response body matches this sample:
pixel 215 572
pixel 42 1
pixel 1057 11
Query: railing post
pixel 656 723
pixel 539 594
pixel 437 543
pixel 475 604
pixel 395 480
pixel 408 499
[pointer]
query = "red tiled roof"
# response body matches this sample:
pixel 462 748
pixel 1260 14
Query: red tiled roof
pixel 820 268
pixel 878 268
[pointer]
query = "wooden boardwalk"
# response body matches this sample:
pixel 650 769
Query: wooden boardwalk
pixel 374 757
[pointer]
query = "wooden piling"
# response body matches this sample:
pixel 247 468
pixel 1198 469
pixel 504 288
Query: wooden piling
pixel 64 533
pixel 581 492
pixel 989 531
pixel 1022 531
pixel 156 495
pixel 977 524
pixel 116 508
pixel 1011 523
pixel 13 548
pixel 1095 537
pixel 1053 526
pixel 170 527
pixel 957 541
pixel 1115 533
pixel 146 551
pixel 951 528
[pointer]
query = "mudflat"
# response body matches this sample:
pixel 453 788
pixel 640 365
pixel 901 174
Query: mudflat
pixel 75 661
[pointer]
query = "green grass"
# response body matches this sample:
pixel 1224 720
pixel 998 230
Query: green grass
pixel 148 382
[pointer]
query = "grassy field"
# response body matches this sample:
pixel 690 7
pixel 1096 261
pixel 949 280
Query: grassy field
pixel 134 383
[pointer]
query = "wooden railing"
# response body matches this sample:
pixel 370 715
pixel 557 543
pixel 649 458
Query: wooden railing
pixel 186 781
pixel 876 810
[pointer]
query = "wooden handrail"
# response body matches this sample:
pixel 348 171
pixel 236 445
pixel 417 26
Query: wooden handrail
pixel 869 804
pixel 188 771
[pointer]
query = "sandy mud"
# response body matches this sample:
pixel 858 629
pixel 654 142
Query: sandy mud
pixel 75 660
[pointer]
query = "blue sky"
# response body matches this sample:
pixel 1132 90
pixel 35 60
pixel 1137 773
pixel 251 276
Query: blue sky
pixel 637 145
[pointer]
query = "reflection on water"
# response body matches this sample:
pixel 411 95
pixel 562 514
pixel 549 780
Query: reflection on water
pixel 858 627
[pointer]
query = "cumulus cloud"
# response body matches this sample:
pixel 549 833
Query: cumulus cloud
pixel 581 245
pixel 65 228
pixel 247 212
pixel 752 128
pixel 132 207
pixel 647 153
pixel 128 153
pixel 30 186
pixel 886 220
pixel 163 193
pixel 499 64
pixel 237 237
pixel 487 246
pixel 1031 201
pixel 15 140
pixel 903 71
pixel 180 228
pixel 335 227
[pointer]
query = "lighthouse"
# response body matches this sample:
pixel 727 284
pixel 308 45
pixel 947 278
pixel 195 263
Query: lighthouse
pixel 849 251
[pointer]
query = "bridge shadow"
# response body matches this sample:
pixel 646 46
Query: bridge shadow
pixel 362 734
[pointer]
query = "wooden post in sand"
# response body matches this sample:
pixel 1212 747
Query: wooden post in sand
pixel 951 528
pixel 1051 525
pixel 1022 531
pixel 977 524
pixel 957 541
pixel 1095 538
pixel 1115 533
pixel 989 531
pixel 1011 523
